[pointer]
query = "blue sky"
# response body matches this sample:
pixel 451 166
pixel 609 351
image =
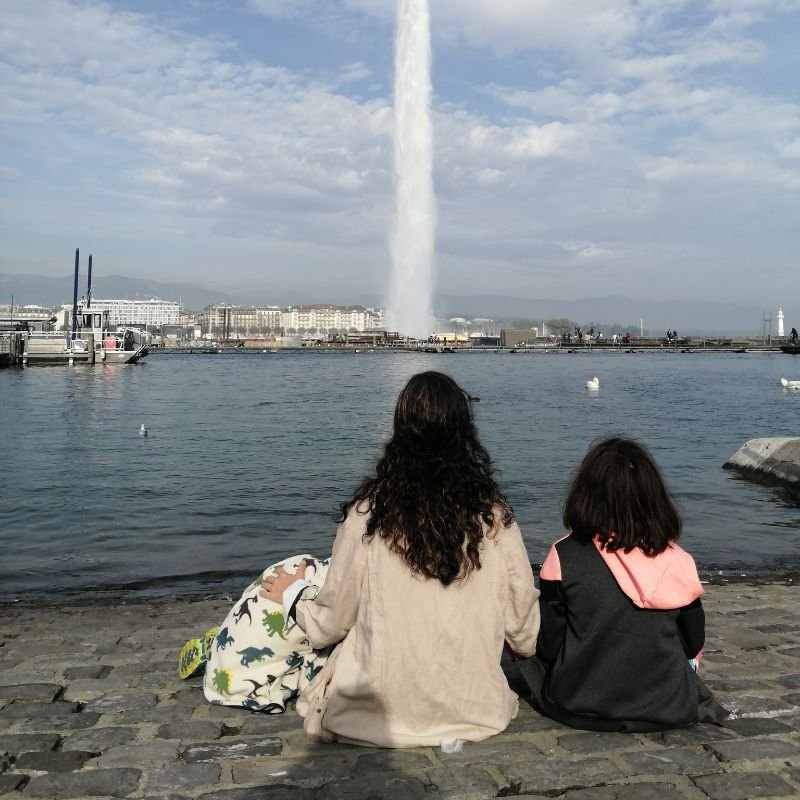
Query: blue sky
pixel 583 147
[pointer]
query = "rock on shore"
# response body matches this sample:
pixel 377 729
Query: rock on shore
pixel 770 460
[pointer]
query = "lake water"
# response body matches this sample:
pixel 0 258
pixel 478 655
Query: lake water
pixel 248 455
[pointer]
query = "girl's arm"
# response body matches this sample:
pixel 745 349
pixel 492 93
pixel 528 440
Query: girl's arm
pixel 554 609
pixel 692 628
pixel 522 607
pixel 328 617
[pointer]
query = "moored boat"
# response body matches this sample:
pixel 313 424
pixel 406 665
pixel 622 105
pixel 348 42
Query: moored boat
pixel 92 343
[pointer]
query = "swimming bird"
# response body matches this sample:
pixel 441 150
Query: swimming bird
pixel 790 384
pixel 594 383
pixel 143 430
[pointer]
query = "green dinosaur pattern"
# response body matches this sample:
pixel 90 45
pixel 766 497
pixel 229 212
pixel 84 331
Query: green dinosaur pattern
pixel 274 623
pixel 222 680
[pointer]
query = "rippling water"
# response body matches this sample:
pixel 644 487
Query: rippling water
pixel 249 453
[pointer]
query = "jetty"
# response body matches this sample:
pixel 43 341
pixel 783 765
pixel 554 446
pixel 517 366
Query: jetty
pixel 91 706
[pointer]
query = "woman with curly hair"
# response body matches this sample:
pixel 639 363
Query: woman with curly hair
pixel 429 576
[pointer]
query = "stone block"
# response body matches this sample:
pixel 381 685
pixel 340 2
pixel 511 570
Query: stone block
pixel 229 750
pixel 117 702
pixel 753 749
pixel 53 761
pixel 184 776
pixel 12 783
pixel 190 730
pixel 26 710
pixel 384 786
pixel 752 706
pixel 17 743
pixel 63 722
pixel 594 742
pixel 309 773
pixel 392 760
pixel 98 740
pixel 44 692
pixel 86 783
pixel 757 726
pixel 155 754
pixel 673 761
pixel 744 786
pixel 86 672
pixel 497 750
pixel 789 681
pixel 693 736
pixel 264 793
pixel 161 714
pixel 636 791
pixel 462 783
pixel 538 776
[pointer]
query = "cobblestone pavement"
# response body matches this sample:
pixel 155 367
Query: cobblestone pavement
pixel 91 706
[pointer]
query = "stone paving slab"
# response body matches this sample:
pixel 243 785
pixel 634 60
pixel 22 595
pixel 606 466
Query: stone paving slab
pixel 91 708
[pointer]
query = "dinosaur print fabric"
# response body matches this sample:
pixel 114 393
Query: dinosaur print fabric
pixel 255 662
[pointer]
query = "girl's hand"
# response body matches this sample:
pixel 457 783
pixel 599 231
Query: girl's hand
pixel 274 586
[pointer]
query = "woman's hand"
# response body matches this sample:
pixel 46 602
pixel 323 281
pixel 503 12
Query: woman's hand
pixel 274 586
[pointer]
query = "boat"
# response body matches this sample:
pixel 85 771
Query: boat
pixel 790 384
pixel 93 342
pixel 791 349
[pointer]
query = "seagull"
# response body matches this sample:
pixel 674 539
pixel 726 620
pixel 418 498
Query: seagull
pixel 790 384
pixel 143 430
pixel 594 383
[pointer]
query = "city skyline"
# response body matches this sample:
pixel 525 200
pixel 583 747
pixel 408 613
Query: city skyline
pixel 582 148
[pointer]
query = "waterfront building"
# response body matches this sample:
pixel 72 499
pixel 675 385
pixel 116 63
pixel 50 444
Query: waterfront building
pixel 153 313
pixel 230 321
pixel 323 319
pixel 780 322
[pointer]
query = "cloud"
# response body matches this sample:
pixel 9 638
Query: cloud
pixel 636 139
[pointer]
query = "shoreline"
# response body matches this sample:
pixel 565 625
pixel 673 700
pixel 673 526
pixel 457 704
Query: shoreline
pixel 116 595
pixel 91 707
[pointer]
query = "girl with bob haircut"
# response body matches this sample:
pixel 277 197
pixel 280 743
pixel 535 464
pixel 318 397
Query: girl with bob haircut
pixel 620 604
pixel 429 575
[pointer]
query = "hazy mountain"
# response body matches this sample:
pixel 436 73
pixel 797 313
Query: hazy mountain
pixel 687 316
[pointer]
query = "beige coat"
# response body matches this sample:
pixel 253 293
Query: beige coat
pixel 418 662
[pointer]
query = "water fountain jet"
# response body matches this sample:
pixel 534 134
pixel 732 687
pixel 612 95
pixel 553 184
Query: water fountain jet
pixel 410 306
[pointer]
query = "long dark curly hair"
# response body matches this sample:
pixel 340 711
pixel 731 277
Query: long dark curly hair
pixel 434 484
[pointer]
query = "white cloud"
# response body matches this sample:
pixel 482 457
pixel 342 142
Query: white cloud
pixel 616 161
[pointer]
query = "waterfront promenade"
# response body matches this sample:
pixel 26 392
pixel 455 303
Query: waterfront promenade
pixel 91 706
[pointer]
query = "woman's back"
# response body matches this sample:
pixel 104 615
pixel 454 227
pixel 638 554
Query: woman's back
pixel 421 662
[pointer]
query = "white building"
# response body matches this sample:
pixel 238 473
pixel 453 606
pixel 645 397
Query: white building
pixel 780 322
pixel 324 319
pixel 151 313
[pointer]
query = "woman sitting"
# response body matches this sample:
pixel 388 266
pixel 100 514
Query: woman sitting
pixel 429 575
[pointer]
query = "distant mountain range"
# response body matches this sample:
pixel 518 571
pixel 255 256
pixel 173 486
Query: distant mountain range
pixel 687 316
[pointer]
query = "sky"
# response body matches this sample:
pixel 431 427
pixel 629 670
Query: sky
pixel 649 148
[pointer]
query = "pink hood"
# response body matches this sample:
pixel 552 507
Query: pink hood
pixel 668 580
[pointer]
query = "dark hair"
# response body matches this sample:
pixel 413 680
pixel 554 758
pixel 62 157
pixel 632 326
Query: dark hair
pixel 434 483
pixel 619 495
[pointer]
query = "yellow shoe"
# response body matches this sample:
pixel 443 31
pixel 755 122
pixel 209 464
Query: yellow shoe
pixel 194 654
pixel 191 658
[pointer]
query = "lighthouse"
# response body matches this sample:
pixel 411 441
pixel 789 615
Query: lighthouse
pixel 780 322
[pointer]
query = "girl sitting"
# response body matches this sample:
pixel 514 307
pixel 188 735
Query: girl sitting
pixel 428 576
pixel 620 604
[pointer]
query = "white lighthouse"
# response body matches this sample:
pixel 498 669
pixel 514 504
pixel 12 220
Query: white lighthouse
pixel 780 322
